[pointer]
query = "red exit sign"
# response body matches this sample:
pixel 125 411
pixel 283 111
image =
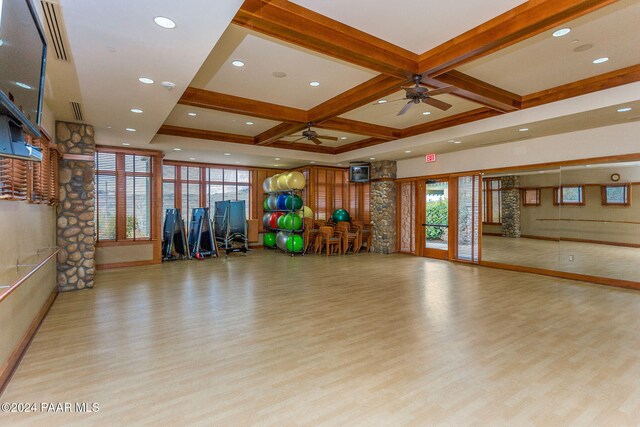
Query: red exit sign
pixel 430 158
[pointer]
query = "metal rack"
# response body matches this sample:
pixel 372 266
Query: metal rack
pixel 286 211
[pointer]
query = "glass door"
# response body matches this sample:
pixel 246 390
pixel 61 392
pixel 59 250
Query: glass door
pixel 468 230
pixel 436 225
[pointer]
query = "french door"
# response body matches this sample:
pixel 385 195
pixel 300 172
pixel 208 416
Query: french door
pixel 436 225
pixel 466 206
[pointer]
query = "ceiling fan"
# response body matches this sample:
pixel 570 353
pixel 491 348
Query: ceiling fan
pixel 419 93
pixel 312 135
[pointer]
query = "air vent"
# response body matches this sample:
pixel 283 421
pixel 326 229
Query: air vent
pixel 77 111
pixel 53 20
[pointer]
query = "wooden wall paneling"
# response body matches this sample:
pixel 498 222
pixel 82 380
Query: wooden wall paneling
pixel 156 207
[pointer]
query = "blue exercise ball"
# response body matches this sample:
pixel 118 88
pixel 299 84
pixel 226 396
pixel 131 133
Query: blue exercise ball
pixel 282 202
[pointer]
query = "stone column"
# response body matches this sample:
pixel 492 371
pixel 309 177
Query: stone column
pixel 76 224
pixel 383 206
pixel 511 205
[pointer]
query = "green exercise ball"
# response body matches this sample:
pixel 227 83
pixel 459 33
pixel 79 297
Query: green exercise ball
pixel 340 215
pixel 269 239
pixel 295 243
pixel 292 222
pixel 265 204
pixel 282 222
pixel 293 202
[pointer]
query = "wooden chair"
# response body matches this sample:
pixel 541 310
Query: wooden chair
pixel 331 240
pixel 309 235
pixel 350 237
pixel 366 237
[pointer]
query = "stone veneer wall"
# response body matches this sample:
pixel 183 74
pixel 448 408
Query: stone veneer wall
pixel 76 224
pixel 511 205
pixel 383 206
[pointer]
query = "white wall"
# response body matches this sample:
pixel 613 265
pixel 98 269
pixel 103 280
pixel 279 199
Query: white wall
pixel 599 142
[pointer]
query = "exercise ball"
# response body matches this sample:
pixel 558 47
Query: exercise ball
pixel 282 182
pixel 305 212
pixel 281 221
pixel 295 180
pixel 269 239
pixel 273 183
pixel 293 202
pixel 265 204
pixel 292 222
pixel 295 243
pixel 281 240
pixel 340 215
pixel 282 202
pixel 273 220
pixel 266 185
pixel 266 218
pixel 272 202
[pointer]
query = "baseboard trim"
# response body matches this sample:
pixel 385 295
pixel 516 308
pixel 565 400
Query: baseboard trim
pixel 127 264
pixel 618 283
pixel 9 368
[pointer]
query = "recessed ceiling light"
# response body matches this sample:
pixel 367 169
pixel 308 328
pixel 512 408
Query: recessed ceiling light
pixel 108 127
pixel 314 84
pixel 177 149
pixel 523 129
pixel 457 142
pixel 146 80
pixel 588 166
pixel 227 154
pixel 600 60
pixel 311 162
pixel 426 113
pixel 372 158
pixel 168 85
pixel 561 32
pixel 192 114
pixel 407 151
pixel 248 123
pixel 136 110
pixel 276 165
pixel 382 101
pixel 343 137
pixel 339 164
pixel 237 63
pixel 1 42
pixel 23 85
pixel 624 109
pixel 277 158
pixel 237 163
pixel 192 158
pixel 125 143
pixel 164 22
pixel 130 129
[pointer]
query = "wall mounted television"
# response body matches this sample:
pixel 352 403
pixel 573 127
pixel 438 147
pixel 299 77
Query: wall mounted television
pixel 23 51
pixel 359 172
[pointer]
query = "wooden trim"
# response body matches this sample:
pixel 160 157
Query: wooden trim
pixel 204 134
pixel 80 157
pixel 628 284
pixel 524 198
pixel 446 122
pixel 515 25
pixel 295 24
pixel 362 128
pixel 558 199
pixel 570 239
pixel 127 264
pixel 15 358
pixel 303 147
pixel 592 84
pixel 202 98
pixel 275 133
pixel 493 234
pixel 211 165
pixel 26 277
pixel 126 150
pixel 111 243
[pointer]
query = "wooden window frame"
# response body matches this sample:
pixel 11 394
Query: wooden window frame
pixel 538 197
pixel 558 200
pixel 603 193
pixel 487 201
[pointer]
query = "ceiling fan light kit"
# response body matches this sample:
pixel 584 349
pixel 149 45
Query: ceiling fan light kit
pixel 312 135
pixel 420 93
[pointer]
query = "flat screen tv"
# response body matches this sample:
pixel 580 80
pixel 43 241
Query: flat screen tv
pixel 23 50
pixel 359 172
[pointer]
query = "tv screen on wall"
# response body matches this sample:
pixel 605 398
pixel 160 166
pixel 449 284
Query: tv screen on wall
pixel 359 173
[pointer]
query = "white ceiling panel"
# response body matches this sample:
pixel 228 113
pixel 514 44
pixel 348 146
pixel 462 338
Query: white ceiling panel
pixel 219 121
pixel 544 61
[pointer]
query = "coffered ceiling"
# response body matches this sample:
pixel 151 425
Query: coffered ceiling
pixel 499 57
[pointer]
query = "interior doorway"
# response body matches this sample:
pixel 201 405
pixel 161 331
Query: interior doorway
pixel 436 214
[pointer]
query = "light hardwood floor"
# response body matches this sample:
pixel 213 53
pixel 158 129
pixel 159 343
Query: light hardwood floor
pixel 345 340
pixel 615 262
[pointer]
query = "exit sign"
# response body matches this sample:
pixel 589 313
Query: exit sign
pixel 430 158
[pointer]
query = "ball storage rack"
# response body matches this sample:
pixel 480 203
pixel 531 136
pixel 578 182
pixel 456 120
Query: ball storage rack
pixel 286 211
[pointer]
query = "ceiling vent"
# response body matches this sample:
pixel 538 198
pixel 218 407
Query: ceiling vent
pixel 77 111
pixel 53 21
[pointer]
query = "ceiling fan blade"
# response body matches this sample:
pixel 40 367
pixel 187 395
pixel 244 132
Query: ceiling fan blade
pixel 405 108
pixel 316 141
pixel 330 138
pixel 437 103
pixel 442 90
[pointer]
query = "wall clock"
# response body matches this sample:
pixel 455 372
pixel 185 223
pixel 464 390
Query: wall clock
pixel 615 177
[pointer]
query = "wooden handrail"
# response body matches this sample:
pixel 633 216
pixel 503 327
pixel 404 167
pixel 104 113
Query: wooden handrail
pixel 26 277
pixel 589 220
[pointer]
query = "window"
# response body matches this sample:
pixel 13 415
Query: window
pixel 530 197
pixel 616 195
pixel 123 196
pixel 492 200
pixel 569 195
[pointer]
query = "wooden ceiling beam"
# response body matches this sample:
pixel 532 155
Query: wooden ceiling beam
pixel 287 21
pixel 592 84
pixel 361 128
pixel 234 104
pixel 303 147
pixel 446 122
pixel 204 134
pixel 370 142
pixel 520 23
pixel 275 133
